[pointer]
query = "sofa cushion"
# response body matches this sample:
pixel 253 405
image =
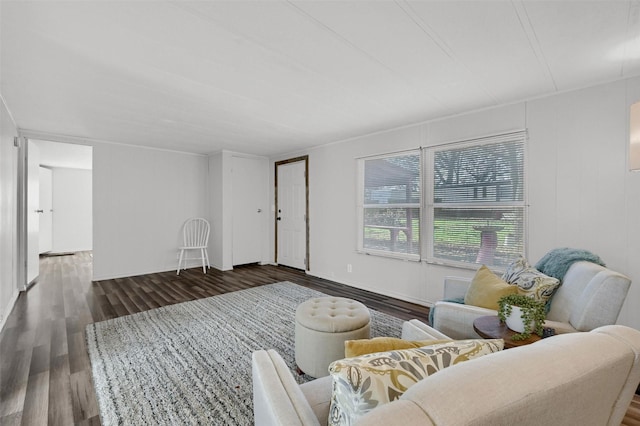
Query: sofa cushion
pixel 359 347
pixel 486 289
pixel 532 282
pixel 363 383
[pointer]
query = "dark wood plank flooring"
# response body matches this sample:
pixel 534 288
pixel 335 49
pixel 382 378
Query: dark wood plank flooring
pixel 45 376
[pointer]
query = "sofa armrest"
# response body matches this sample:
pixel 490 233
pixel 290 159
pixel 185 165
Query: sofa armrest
pixel 277 398
pixel 456 287
pixel 456 320
pixel 318 394
pixel 417 330
pixel 399 412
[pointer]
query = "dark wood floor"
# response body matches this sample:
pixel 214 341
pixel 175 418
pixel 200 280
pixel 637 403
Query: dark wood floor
pixel 45 376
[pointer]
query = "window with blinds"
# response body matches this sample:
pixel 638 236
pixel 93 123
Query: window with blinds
pixel 476 205
pixel 390 204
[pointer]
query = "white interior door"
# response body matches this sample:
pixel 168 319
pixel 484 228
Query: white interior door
pixel 46 205
pixel 33 212
pixel 291 215
pixel 250 189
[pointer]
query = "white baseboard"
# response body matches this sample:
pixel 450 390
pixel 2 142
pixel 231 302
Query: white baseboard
pixel 393 294
pixel 136 273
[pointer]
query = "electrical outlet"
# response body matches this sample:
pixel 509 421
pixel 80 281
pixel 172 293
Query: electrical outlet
pixel 349 268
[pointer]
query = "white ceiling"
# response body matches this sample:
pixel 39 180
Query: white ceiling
pixel 272 77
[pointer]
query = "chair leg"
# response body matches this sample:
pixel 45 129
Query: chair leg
pixel 206 253
pixel 204 268
pixel 180 261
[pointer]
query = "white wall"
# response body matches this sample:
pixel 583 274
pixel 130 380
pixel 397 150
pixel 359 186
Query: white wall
pixel 333 221
pixel 217 213
pixel 72 210
pixel 580 192
pixel 221 210
pixel 8 213
pixel 141 198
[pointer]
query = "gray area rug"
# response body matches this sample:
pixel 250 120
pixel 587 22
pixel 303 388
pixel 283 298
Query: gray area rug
pixel 190 363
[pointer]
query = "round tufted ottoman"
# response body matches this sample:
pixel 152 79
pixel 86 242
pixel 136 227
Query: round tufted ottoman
pixel 322 326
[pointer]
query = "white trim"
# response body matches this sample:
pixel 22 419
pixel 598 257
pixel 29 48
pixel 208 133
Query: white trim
pixel 148 272
pixel 492 138
pixel 390 254
pixel 359 205
pixel 77 140
pixel 21 216
pixel 426 237
pixel 8 111
pixel 389 154
pixel 498 269
pixel 237 154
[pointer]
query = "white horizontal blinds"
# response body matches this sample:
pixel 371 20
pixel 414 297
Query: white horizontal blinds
pixel 477 208
pixel 391 200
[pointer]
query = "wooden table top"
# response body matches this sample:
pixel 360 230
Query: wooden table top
pixel 490 327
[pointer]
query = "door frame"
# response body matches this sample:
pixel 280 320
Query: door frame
pixel 304 158
pixel 21 273
pixel 22 143
pixel 43 207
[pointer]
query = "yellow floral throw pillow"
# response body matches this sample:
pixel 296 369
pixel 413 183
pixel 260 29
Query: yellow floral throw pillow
pixel 363 383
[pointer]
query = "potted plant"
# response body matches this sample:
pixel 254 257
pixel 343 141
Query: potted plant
pixel 522 314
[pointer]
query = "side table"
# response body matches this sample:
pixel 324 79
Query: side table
pixel 490 327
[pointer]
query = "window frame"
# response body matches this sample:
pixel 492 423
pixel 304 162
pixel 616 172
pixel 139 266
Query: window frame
pixel 362 207
pixel 427 206
pixel 519 136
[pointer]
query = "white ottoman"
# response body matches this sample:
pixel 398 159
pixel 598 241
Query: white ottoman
pixel 323 324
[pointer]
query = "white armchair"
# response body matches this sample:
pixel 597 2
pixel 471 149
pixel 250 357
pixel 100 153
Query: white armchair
pixel 590 296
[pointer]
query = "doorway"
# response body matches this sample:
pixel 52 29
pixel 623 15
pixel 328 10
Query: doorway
pixel 57 210
pixel 45 210
pixel 292 213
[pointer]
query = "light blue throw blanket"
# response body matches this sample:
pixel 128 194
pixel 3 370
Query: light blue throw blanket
pixel 556 263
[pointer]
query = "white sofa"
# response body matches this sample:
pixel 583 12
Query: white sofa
pixel 570 379
pixel 590 296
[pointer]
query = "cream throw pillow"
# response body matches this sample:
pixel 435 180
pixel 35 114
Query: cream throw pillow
pixel 363 383
pixel 486 289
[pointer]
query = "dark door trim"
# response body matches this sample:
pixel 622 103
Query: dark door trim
pixel 304 158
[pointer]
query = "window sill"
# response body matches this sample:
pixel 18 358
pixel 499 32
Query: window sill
pixel 390 255
pixel 463 265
